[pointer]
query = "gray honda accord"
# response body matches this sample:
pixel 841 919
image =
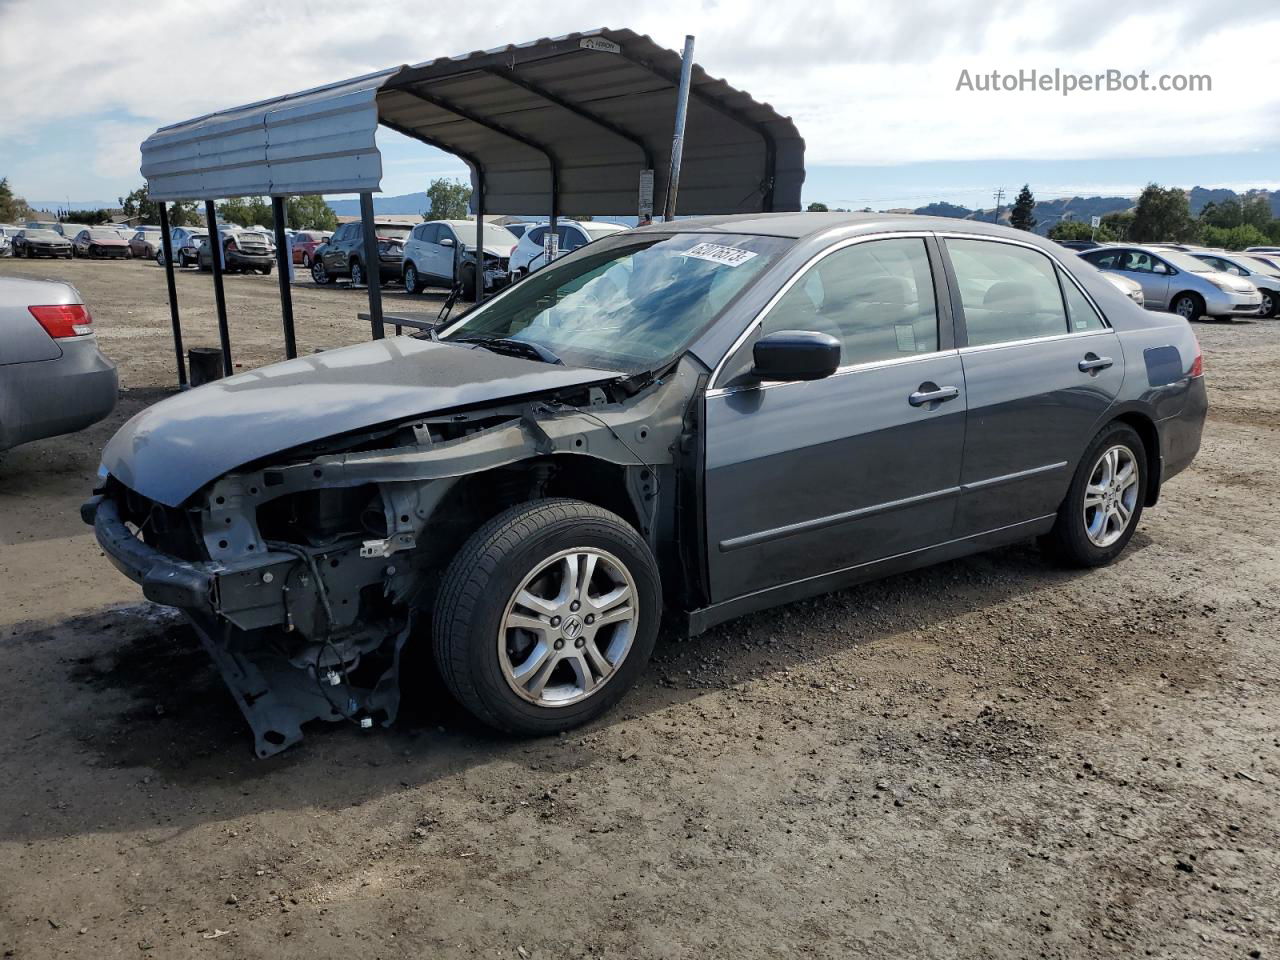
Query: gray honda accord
pixel 688 422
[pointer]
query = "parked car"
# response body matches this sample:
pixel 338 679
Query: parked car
pixel 1262 249
pixel 69 230
pixel 1260 273
pixel 529 252
pixel 31 242
pixel 185 243
pixel 100 243
pixel 305 243
pixel 1178 282
pixel 1130 288
pixel 268 236
pixel 144 242
pixel 694 420
pixel 53 379
pixel 438 250
pixel 244 252
pixel 343 255
pixel 7 233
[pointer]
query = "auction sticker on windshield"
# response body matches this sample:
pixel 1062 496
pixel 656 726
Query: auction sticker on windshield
pixel 717 253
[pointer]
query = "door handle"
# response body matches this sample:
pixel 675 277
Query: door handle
pixel 931 393
pixel 1092 362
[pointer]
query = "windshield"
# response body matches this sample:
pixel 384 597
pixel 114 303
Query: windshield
pixel 1257 263
pixel 494 235
pixel 103 234
pixel 1184 261
pixel 42 235
pixel 630 304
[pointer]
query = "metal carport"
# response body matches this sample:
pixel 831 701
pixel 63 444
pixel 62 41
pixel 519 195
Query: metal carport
pixel 574 124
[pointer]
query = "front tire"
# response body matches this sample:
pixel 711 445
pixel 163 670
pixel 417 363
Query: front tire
pixel 319 275
pixel 1189 306
pixel 357 274
pixel 547 616
pixel 1270 305
pixel 1104 503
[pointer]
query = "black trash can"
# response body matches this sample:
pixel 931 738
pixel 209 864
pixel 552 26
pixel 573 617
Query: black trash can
pixel 205 364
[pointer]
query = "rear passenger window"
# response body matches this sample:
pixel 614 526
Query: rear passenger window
pixel 1008 292
pixel 1080 312
pixel 876 298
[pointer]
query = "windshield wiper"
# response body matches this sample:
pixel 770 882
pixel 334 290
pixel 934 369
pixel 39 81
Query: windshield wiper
pixel 508 345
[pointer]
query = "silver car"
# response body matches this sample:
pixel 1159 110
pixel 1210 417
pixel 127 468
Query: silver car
pixel 1262 273
pixel 53 378
pixel 1178 282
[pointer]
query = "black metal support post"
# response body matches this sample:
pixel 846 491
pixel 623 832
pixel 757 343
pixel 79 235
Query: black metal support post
pixel 215 255
pixel 372 265
pixel 480 246
pixel 166 244
pixel 284 259
pixel 677 138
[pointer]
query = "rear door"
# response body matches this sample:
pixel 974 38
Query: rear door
pixel 1041 367
pixel 815 477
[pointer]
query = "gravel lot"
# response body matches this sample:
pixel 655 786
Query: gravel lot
pixel 990 758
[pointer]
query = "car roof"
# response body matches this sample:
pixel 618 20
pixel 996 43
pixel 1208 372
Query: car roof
pixel 803 224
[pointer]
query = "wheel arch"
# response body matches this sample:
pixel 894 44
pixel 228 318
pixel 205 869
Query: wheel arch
pixel 1188 292
pixel 1146 429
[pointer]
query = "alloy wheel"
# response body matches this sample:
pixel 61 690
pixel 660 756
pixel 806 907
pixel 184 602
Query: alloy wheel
pixel 568 627
pixel 357 274
pixel 1185 307
pixel 1268 304
pixel 1111 495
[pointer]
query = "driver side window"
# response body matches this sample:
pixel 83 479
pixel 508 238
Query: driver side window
pixel 876 298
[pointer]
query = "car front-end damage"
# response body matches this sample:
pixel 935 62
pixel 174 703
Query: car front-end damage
pixel 305 572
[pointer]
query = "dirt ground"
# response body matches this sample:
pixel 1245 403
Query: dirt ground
pixel 989 758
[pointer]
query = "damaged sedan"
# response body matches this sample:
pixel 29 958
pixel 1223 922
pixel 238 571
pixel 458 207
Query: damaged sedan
pixel 687 422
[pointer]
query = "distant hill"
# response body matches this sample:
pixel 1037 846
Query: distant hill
pixel 406 203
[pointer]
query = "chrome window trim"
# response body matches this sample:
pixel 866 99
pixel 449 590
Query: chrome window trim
pixel 839 372
pixel 786 287
pixel 983 347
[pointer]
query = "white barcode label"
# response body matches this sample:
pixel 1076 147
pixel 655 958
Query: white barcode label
pixel 717 253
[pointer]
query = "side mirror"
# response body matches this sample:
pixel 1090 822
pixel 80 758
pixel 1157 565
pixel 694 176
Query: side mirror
pixel 796 355
pixel 446 242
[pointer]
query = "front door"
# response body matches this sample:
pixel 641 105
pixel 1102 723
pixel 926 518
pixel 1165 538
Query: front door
pixel 1041 368
pixel 813 477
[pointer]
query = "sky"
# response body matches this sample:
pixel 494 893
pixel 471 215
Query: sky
pixel 872 86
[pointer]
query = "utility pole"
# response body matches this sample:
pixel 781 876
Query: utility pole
pixel 998 197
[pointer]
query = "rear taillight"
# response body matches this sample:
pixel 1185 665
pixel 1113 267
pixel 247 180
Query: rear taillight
pixel 64 320
pixel 1197 365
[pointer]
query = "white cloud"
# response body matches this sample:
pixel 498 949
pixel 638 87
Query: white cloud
pixel 867 82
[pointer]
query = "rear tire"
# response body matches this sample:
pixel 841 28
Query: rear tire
pixel 484 659
pixel 1093 536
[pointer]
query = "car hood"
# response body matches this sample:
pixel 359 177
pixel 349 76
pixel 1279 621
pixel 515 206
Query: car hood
pixel 1230 281
pixel 172 449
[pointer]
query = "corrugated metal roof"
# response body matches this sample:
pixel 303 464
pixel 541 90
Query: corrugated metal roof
pixel 583 114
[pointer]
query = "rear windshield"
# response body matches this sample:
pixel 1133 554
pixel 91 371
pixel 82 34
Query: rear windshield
pixel 396 231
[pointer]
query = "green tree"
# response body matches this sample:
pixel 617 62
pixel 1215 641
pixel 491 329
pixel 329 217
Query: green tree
pixel 87 216
pixel 1079 230
pixel 450 199
pixel 817 207
pixel 1226 214
pixel 1118 224
pixel 12 209
pixel 309 213
pixel 1233 238
pixel 182 213
pixel 1162 215
pixel 245 211
pixel 1021 217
